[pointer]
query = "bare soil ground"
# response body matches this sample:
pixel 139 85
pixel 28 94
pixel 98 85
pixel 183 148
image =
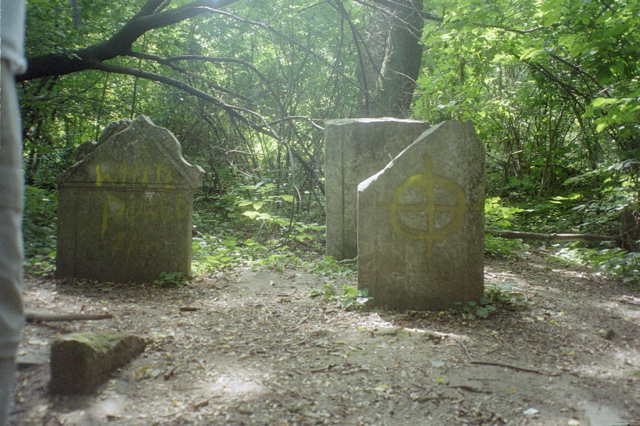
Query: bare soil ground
pixel 256 350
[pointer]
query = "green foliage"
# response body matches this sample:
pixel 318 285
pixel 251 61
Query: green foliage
pixel 39 224
pixel 350 298
pixel 608 190
pixel 330 267
pixel 552 88
pixel 498 215
pixel 172 279
pixel 495 298
pixel 39 230
pixel 503 247
pixel 212 253
pixel 612 262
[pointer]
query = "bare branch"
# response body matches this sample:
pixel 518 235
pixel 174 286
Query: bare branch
pixel 289 39
pixel 167 62
pixel 233 111
pixel 398 5
pixel 549 237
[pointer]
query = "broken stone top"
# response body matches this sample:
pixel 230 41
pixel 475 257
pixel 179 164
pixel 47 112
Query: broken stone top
pixel 134 153
pixel 342 121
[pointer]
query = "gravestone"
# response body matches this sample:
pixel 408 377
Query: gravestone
pixel 355 150
pixel 125 209
pixel 421 223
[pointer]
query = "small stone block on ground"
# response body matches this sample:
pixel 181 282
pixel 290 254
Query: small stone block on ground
pixel 80 362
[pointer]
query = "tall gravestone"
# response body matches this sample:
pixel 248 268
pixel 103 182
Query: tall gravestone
pixel 125 208
pixel 421 223
pixel 355 150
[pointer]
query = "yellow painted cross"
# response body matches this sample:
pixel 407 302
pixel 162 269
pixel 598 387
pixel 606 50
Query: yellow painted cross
pixel 426 183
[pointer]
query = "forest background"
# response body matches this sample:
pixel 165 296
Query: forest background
pixel 553 88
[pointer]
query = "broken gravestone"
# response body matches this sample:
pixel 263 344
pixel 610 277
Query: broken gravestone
pixel 125 209
pixel 80 362
pixel 355 150
pixel 421 223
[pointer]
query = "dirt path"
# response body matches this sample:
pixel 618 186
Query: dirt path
pixel 259 351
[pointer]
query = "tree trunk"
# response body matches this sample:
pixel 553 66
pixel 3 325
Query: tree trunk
pixel 400 67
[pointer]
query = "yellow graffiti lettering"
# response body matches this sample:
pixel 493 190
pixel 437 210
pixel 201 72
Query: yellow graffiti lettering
pixel 128 173
pixel 123 172
pixel 164 174
pixel 140 212
pixel 113 207
pixel 104 176
pixel 145 175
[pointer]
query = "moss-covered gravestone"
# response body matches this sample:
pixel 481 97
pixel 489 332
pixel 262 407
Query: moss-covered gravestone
pixel 355 150
pixel 421 223
pixel 125 209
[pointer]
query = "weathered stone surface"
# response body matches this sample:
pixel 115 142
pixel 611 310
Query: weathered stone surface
pixel 355 150
pixel 421 223
pixel 125 210
pixel 80 362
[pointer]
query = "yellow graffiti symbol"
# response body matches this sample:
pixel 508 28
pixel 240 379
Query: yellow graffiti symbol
pixel 427 183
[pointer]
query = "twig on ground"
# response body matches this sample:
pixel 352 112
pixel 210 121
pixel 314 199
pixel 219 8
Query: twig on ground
pixel 514 367
pixel 499 364
pixel 47 317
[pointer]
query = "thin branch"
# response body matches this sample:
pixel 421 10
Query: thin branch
pixel 396 5
pixel 579 70
pixel 356 35
pixel 514 367
pixel 289 39
pixel 232 110
pixel 298 117
pixel 167 62
pixel 542 70
pixel 511 30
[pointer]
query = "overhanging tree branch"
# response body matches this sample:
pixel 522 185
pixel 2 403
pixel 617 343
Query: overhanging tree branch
pixel 233 111
pixel 151 16
pixel 550 237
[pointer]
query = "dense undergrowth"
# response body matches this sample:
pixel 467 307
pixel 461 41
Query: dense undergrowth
pixel 251 227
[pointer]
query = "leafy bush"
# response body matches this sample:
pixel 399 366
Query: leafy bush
pixel 350 298
pixel 39 225
pixel 496 297
pixel 498 215
pixel 503 247
pixel 613 262
pixel 330 267
pixel 39 230
pixel 172 279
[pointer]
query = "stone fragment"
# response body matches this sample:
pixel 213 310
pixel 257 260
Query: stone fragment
pixel 125 210
pixel 355 150
pixel 421 223
pixel 80 362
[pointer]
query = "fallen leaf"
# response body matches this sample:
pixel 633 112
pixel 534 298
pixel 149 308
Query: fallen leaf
pixel 391 331
pixel 381 388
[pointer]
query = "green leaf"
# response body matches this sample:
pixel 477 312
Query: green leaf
pixel 251 214
pixel 482 312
